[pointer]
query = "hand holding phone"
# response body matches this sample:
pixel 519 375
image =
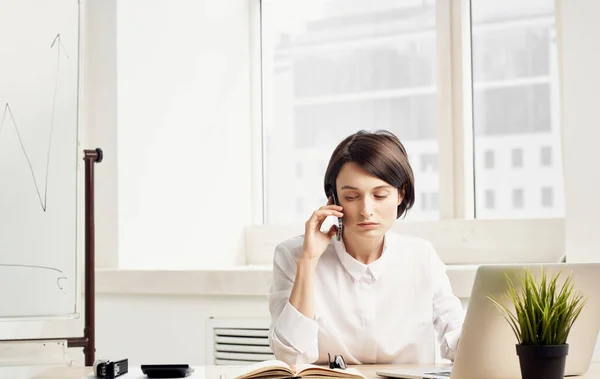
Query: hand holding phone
pixel 316 241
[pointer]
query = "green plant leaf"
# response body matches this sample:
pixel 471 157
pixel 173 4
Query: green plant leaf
pixel 544 311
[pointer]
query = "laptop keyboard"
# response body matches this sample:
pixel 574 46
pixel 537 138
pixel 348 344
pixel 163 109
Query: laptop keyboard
pixel 442 373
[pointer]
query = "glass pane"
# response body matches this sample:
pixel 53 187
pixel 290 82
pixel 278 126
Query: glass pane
pixel 516 116
pixel 331 68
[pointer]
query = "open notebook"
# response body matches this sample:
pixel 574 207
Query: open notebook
pixel 278 369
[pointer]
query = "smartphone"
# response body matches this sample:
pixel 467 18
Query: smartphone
pixel 340 224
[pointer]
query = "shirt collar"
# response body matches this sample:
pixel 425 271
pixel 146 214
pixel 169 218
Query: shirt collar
pixel 358 269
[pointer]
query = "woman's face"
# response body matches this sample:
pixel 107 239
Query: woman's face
pixel 370 204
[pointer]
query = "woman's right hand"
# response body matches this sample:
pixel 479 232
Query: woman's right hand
pixel 315 241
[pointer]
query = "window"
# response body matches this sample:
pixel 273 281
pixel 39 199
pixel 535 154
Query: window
pixel 329 70
pixel 424 201
pixel 547 194
pixel 490 200
pixel 517 198
pixel 429 162
pixel 546 156
pixel 429 202
pixel 489 159
pixel 434 201
pixel 515 91
pixel 517 158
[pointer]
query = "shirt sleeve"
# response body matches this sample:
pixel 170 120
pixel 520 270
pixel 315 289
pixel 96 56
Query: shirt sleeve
pixel 293 337
pixel 448 312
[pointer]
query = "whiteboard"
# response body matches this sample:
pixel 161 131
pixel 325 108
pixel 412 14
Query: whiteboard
pixel 39 67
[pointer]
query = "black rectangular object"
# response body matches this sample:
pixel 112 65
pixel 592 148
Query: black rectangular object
pixel 110 370
pixel 167 371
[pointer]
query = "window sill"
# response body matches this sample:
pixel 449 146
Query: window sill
pixel 251 280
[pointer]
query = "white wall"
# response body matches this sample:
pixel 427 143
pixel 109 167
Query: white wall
pixel 99 118
pixel 184 131
pixel 578 40
pixel 151 328
pixel 146 328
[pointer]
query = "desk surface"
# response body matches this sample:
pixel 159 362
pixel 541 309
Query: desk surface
pixel 203 372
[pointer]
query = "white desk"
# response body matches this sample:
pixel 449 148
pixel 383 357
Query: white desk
pixel 201 372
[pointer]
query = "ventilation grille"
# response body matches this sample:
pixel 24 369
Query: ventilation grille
pixel 238 342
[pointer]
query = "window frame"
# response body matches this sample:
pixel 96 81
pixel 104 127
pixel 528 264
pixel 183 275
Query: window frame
pixel 455 127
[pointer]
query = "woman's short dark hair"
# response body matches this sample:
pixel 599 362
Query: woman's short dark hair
pixel 381 154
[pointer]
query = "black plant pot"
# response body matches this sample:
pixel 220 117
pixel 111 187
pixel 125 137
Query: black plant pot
pixel 542 361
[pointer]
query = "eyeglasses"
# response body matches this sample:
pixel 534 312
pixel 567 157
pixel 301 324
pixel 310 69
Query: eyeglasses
pixel 338 362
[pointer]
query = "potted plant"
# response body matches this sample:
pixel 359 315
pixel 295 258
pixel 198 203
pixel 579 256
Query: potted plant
pixel 543 315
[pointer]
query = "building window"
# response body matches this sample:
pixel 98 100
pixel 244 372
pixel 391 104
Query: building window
pixel 547 197
pixel 434 197
pixel 424 202
pixel 546 156
pixel 517 158
pixel 430 201
pixel 517 198
pixel 490 199
pixel 330 71
pixel 328 75
pixel 489 159
pixel 515 107
pixel 429 162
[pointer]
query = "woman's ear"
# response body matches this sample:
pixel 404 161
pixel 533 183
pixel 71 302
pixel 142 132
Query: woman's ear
pixel 401 193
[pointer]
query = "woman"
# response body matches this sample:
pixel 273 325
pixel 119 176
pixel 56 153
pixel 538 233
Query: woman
pixel 374 296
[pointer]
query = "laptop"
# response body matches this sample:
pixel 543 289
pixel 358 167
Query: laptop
pixel 487 345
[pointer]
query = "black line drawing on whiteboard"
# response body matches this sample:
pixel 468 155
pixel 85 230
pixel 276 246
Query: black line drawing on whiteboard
pixel 8 111
pixel 41 268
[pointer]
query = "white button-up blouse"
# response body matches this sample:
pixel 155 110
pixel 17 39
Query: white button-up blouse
pixel 383 312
